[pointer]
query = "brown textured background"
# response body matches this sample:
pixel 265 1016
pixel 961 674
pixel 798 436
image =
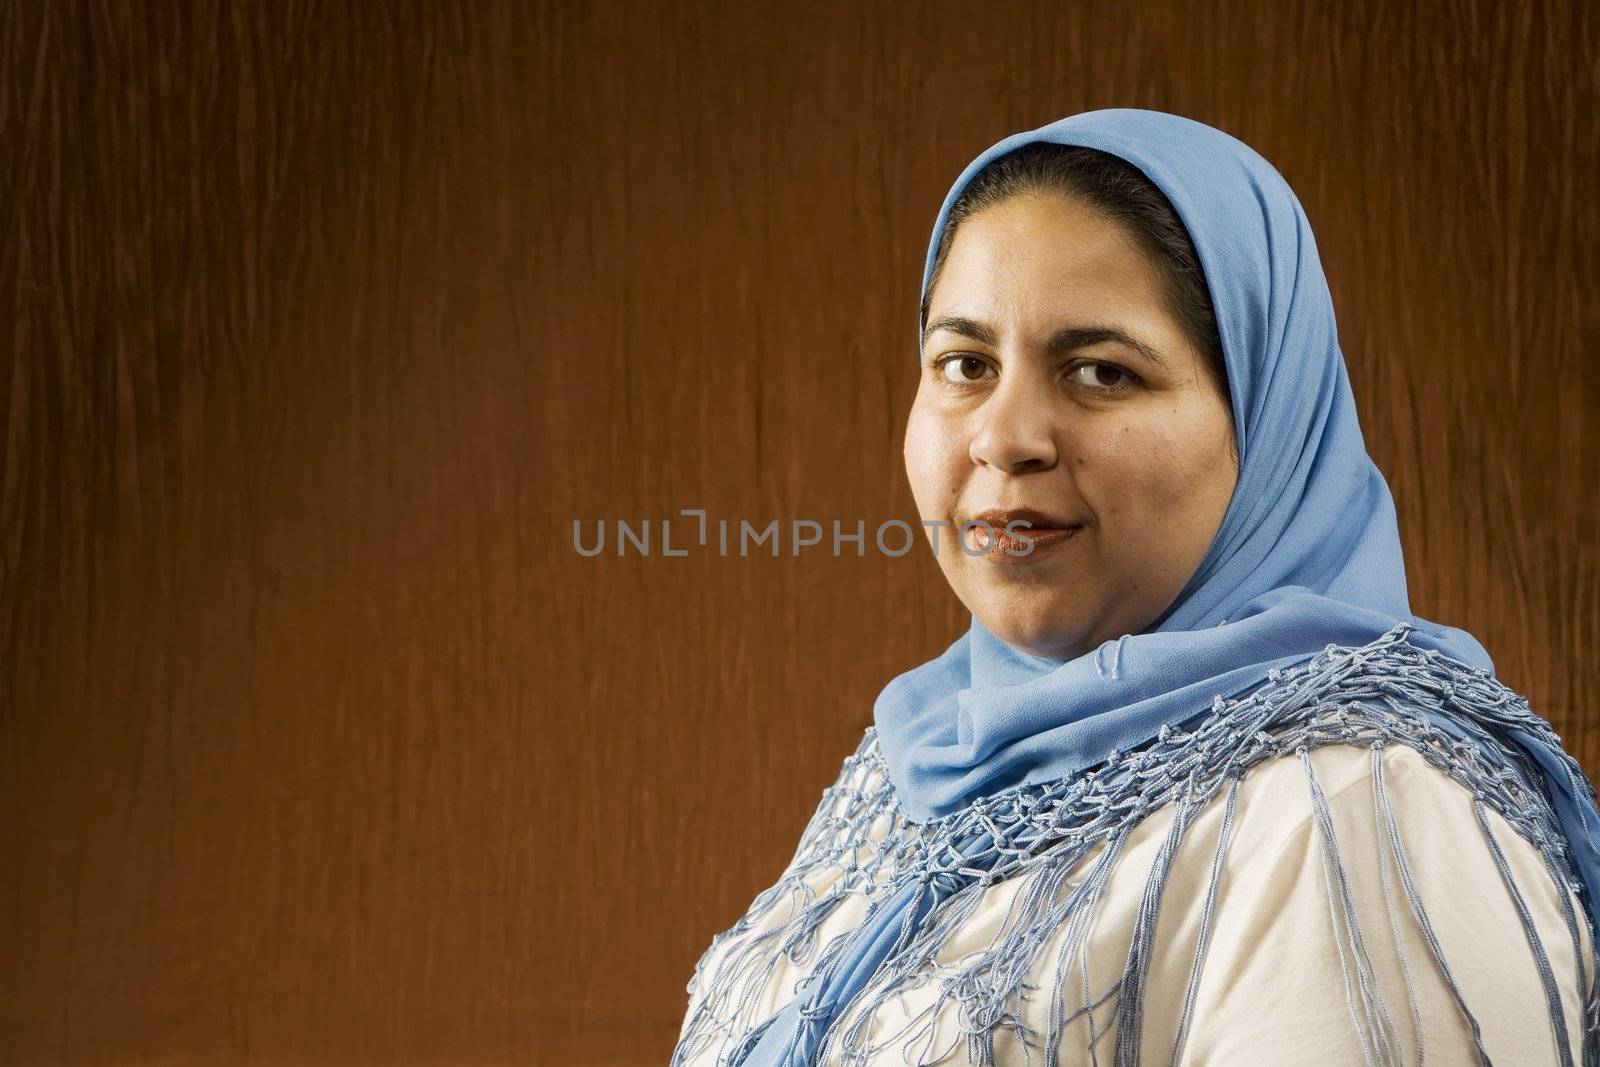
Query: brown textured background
pixel 319 743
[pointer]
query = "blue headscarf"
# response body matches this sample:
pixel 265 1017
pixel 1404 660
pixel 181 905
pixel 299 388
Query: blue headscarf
pixel 1308 552
pixel 1307 555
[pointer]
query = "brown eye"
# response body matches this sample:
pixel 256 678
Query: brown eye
pixel 1102 377
pixel 962 370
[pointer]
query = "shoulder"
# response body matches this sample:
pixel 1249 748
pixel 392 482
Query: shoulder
pixel 1282 921
pixel 1276 799
pixel 1371 867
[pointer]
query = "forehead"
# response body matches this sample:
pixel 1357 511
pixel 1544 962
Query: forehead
pixel 1041 247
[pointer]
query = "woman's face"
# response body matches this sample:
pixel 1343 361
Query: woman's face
pixel 1055 381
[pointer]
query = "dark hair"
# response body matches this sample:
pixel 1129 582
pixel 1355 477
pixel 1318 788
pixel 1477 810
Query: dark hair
pixel 1121 192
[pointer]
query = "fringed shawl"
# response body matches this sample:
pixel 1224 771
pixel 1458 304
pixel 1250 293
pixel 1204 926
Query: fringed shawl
pixel 1388 692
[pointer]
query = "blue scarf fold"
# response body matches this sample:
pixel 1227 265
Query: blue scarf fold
pixel 1308 555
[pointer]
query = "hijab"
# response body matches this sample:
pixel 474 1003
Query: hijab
pixel 1308 551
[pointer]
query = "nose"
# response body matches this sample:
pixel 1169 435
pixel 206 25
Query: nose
pixel 1015 433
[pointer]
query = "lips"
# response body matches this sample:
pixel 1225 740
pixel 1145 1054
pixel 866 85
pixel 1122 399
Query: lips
pixel 1025 518
pixel 1032 535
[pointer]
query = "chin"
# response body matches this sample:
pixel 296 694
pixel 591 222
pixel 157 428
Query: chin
pixel 1049 636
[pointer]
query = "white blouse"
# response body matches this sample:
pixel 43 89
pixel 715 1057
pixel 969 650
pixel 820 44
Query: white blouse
pixel 1272 984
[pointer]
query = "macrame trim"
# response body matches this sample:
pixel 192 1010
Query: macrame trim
pixel 1373 695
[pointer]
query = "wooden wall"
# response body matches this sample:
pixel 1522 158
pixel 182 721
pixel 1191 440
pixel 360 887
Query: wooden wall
pixel 318 741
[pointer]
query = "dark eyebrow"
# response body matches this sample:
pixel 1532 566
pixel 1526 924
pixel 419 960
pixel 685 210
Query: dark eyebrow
pixel 1066 339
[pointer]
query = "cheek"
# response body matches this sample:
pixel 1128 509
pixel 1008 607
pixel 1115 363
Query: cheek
pixel 932 455
pixel 1148 470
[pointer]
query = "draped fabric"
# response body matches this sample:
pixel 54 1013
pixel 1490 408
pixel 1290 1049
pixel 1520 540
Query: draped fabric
pixel 1308 551
pixel 1295 628
pixel 881 942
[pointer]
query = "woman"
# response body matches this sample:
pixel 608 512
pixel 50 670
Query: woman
pixel 1196 786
